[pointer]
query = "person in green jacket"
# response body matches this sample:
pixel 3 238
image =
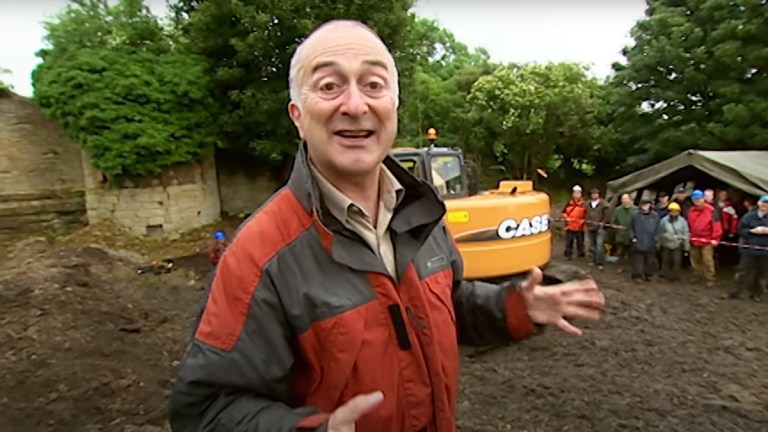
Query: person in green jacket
pixel 622 216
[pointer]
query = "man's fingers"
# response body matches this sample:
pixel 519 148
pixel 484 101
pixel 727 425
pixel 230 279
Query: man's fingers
pixel 347 414
pixel 579 312
pixel 568 327
pixel 535 277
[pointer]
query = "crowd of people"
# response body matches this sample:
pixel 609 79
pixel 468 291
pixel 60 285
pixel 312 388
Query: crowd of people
pixel 656 238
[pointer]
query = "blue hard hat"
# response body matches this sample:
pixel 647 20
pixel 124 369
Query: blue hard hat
pixel 697 194
pixel 763 199
pixel 219 235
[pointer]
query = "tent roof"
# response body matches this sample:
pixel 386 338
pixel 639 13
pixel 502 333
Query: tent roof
pixel 745 170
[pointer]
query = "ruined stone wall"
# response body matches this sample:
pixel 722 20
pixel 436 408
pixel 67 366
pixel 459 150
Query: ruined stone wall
pixel 243 184
pixel 182 198
pixel 41 176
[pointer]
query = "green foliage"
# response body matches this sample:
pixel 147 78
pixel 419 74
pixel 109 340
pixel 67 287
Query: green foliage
pixel 531 116
pixel 694 78
pixel 117 83
pixel 5 89
pixel 434 94
pixel 248 45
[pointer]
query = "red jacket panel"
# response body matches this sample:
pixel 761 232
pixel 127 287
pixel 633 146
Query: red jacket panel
pixel 705 225
pixel 574 213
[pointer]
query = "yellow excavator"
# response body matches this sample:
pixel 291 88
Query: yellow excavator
pixel 500 233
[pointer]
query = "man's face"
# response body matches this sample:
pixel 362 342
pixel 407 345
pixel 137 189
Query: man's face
pixel 348 114
pixel 698 202
pixel 709 195
pixel 626 200
pixel 722 195
pixel 576 195
pixel 682 195
pixel 646 207
pixel 674 213
pixel 594 196
pixel 664 200
pixel 763 207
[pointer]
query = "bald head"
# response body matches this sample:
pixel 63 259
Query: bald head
pixel 335 32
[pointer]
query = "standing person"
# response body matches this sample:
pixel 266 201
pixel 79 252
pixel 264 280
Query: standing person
pixel 706 231
pixel 728 254
pixel 573 213
pixel 662 204
pixel 683 200
pixel 340 303
pixel 217 250
pixel 753 267
pixel 644 232
pixel 622 216
pixel 596 218
pixel 674 241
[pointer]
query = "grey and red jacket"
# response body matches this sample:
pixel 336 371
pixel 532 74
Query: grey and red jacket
pixel 301 316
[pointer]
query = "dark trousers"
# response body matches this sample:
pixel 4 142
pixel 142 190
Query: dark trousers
pixel 752 274
pixel 570 238
pixel 671 263
pixel 643 264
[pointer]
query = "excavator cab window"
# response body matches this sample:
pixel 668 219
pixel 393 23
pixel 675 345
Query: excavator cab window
pixel 412 165
pixel 447 175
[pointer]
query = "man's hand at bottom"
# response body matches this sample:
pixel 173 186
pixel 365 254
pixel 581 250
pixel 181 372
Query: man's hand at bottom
pixel 345 416
pixel 555 304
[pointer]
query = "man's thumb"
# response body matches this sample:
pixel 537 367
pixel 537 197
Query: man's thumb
pixel 355 408
pixel 535 277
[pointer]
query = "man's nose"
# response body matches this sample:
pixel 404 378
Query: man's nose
pixel 355 103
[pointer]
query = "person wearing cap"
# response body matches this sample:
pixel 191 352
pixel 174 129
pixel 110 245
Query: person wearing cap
pixel 596 217
pixel 573 213
pixel 706 231
pixel 662 202
pixel 683 200
pixel 674 242
pixel 644 231
pixel 622 216
pixel 753 247
pixel 217 250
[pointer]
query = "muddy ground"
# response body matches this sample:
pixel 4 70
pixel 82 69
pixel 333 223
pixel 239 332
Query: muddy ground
pixel 89 345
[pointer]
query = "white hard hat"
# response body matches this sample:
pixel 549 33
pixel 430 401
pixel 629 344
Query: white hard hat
pixel 577 188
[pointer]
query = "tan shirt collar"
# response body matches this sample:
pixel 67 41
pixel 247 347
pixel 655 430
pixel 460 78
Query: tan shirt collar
pixel 390 194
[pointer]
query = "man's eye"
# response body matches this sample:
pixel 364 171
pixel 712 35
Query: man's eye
pixel 329 86
pixel 375 85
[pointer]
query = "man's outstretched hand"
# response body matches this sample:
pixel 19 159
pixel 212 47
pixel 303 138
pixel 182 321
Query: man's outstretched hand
pixel 555 304
pixel 345 416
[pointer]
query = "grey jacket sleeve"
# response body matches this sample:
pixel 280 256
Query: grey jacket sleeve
pixel 487 314
pixel 236 373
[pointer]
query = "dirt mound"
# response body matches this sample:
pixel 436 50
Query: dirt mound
pixel 88 343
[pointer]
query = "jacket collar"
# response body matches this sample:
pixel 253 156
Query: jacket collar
pixel 420 210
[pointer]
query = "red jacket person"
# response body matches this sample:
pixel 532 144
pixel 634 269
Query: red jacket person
pixel 339 303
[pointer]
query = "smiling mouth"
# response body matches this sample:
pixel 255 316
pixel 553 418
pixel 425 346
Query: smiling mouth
pixel 354 134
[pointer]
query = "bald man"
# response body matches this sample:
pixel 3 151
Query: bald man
pixel 339 303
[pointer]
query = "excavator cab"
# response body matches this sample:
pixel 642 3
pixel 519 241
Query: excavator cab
pixel 441 167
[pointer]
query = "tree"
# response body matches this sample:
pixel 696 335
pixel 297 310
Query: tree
pixel 524 115
pixel 695 77
pixel 435 92
pixel 5 89
pixel 119 85
pixel 248 45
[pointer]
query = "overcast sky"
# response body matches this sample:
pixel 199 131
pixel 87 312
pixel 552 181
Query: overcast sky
pixel 587 31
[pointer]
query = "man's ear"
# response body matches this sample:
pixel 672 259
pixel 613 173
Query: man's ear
pixel 295 113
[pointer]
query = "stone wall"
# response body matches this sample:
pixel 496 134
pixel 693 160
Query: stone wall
pixel 243 184
pixel 41 176
pixel 182 198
